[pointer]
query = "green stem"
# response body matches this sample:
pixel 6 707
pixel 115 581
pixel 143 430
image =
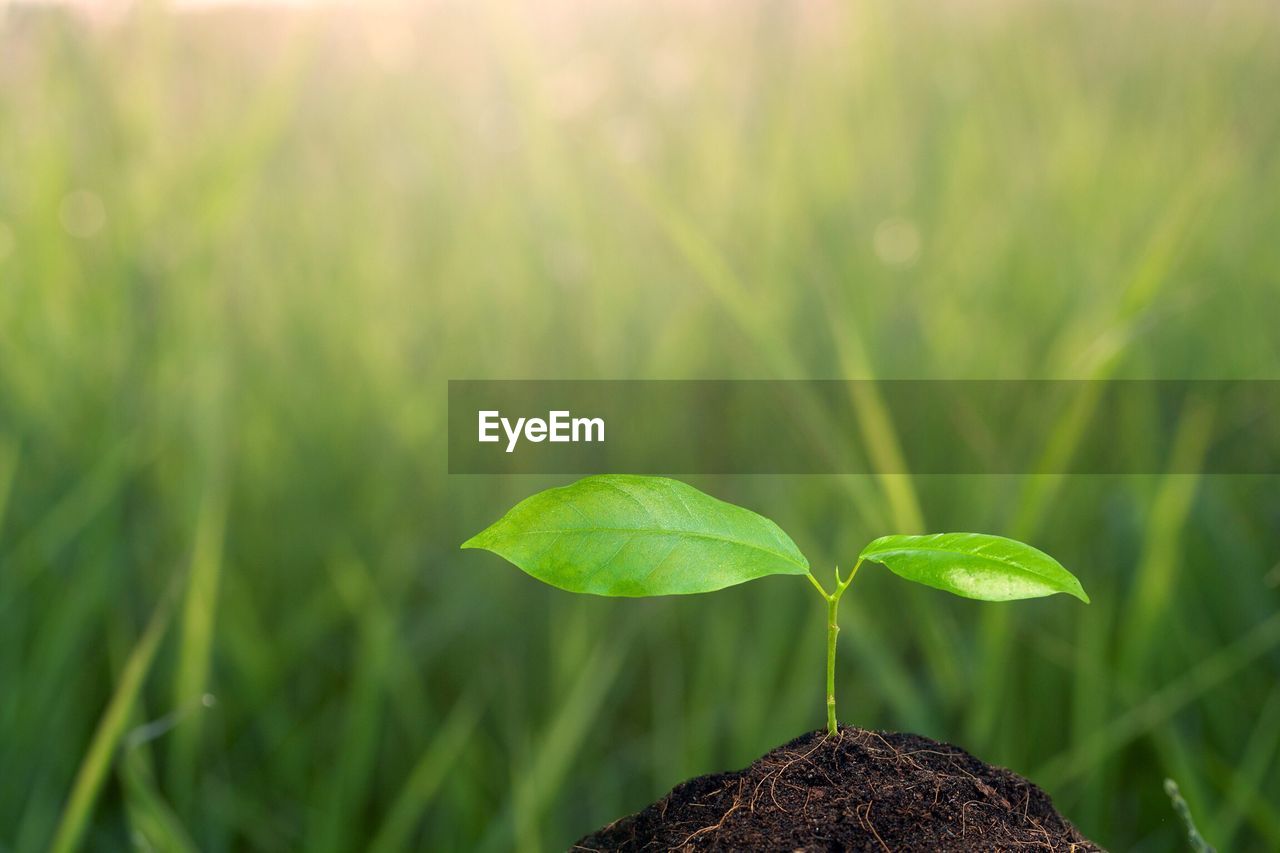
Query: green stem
pixel 833 629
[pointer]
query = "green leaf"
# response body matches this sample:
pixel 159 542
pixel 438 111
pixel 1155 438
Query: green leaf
pixel 625 535
pixel 974 565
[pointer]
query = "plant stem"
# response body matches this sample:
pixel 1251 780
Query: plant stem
pixel 833 629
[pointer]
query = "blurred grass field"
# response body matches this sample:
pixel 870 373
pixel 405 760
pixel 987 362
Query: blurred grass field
pixel 242 250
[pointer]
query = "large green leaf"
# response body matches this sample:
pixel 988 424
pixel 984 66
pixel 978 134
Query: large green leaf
pixel 975 565
pixel 624 535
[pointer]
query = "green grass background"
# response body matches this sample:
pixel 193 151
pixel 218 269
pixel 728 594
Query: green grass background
pixel 241 252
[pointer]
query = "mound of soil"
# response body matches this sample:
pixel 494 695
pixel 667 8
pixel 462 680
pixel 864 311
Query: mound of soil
pixel 856 790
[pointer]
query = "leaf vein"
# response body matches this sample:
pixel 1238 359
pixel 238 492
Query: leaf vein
pixel 636 531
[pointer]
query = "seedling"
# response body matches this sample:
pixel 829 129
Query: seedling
pixel 625 535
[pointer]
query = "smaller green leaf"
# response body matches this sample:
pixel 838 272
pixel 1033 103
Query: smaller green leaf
pixel 975 565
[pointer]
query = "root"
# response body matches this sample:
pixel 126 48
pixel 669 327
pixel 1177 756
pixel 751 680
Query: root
pixel 737 801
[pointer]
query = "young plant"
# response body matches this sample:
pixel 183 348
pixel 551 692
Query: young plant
pixel 626 535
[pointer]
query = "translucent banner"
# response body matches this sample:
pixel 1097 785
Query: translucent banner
pixel 919 427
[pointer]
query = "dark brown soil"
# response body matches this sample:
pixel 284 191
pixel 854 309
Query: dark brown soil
pixel 857 790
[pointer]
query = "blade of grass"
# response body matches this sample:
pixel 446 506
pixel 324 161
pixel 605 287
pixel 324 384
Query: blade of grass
pixel 98 759
pixel 1161 705
pixel 1261 812
pixel 86 499
pixel 537 781
pixel 1154 585
pixel 1033 507
pixel 876 426
pixel 8 468
pixel 713 270
pixel 432 768
pixel 1147 275
pixel 347 782
pixel 1091 696
pixel 199 609
pixel 1257 758
pixel 1184 764
pixel 153 821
